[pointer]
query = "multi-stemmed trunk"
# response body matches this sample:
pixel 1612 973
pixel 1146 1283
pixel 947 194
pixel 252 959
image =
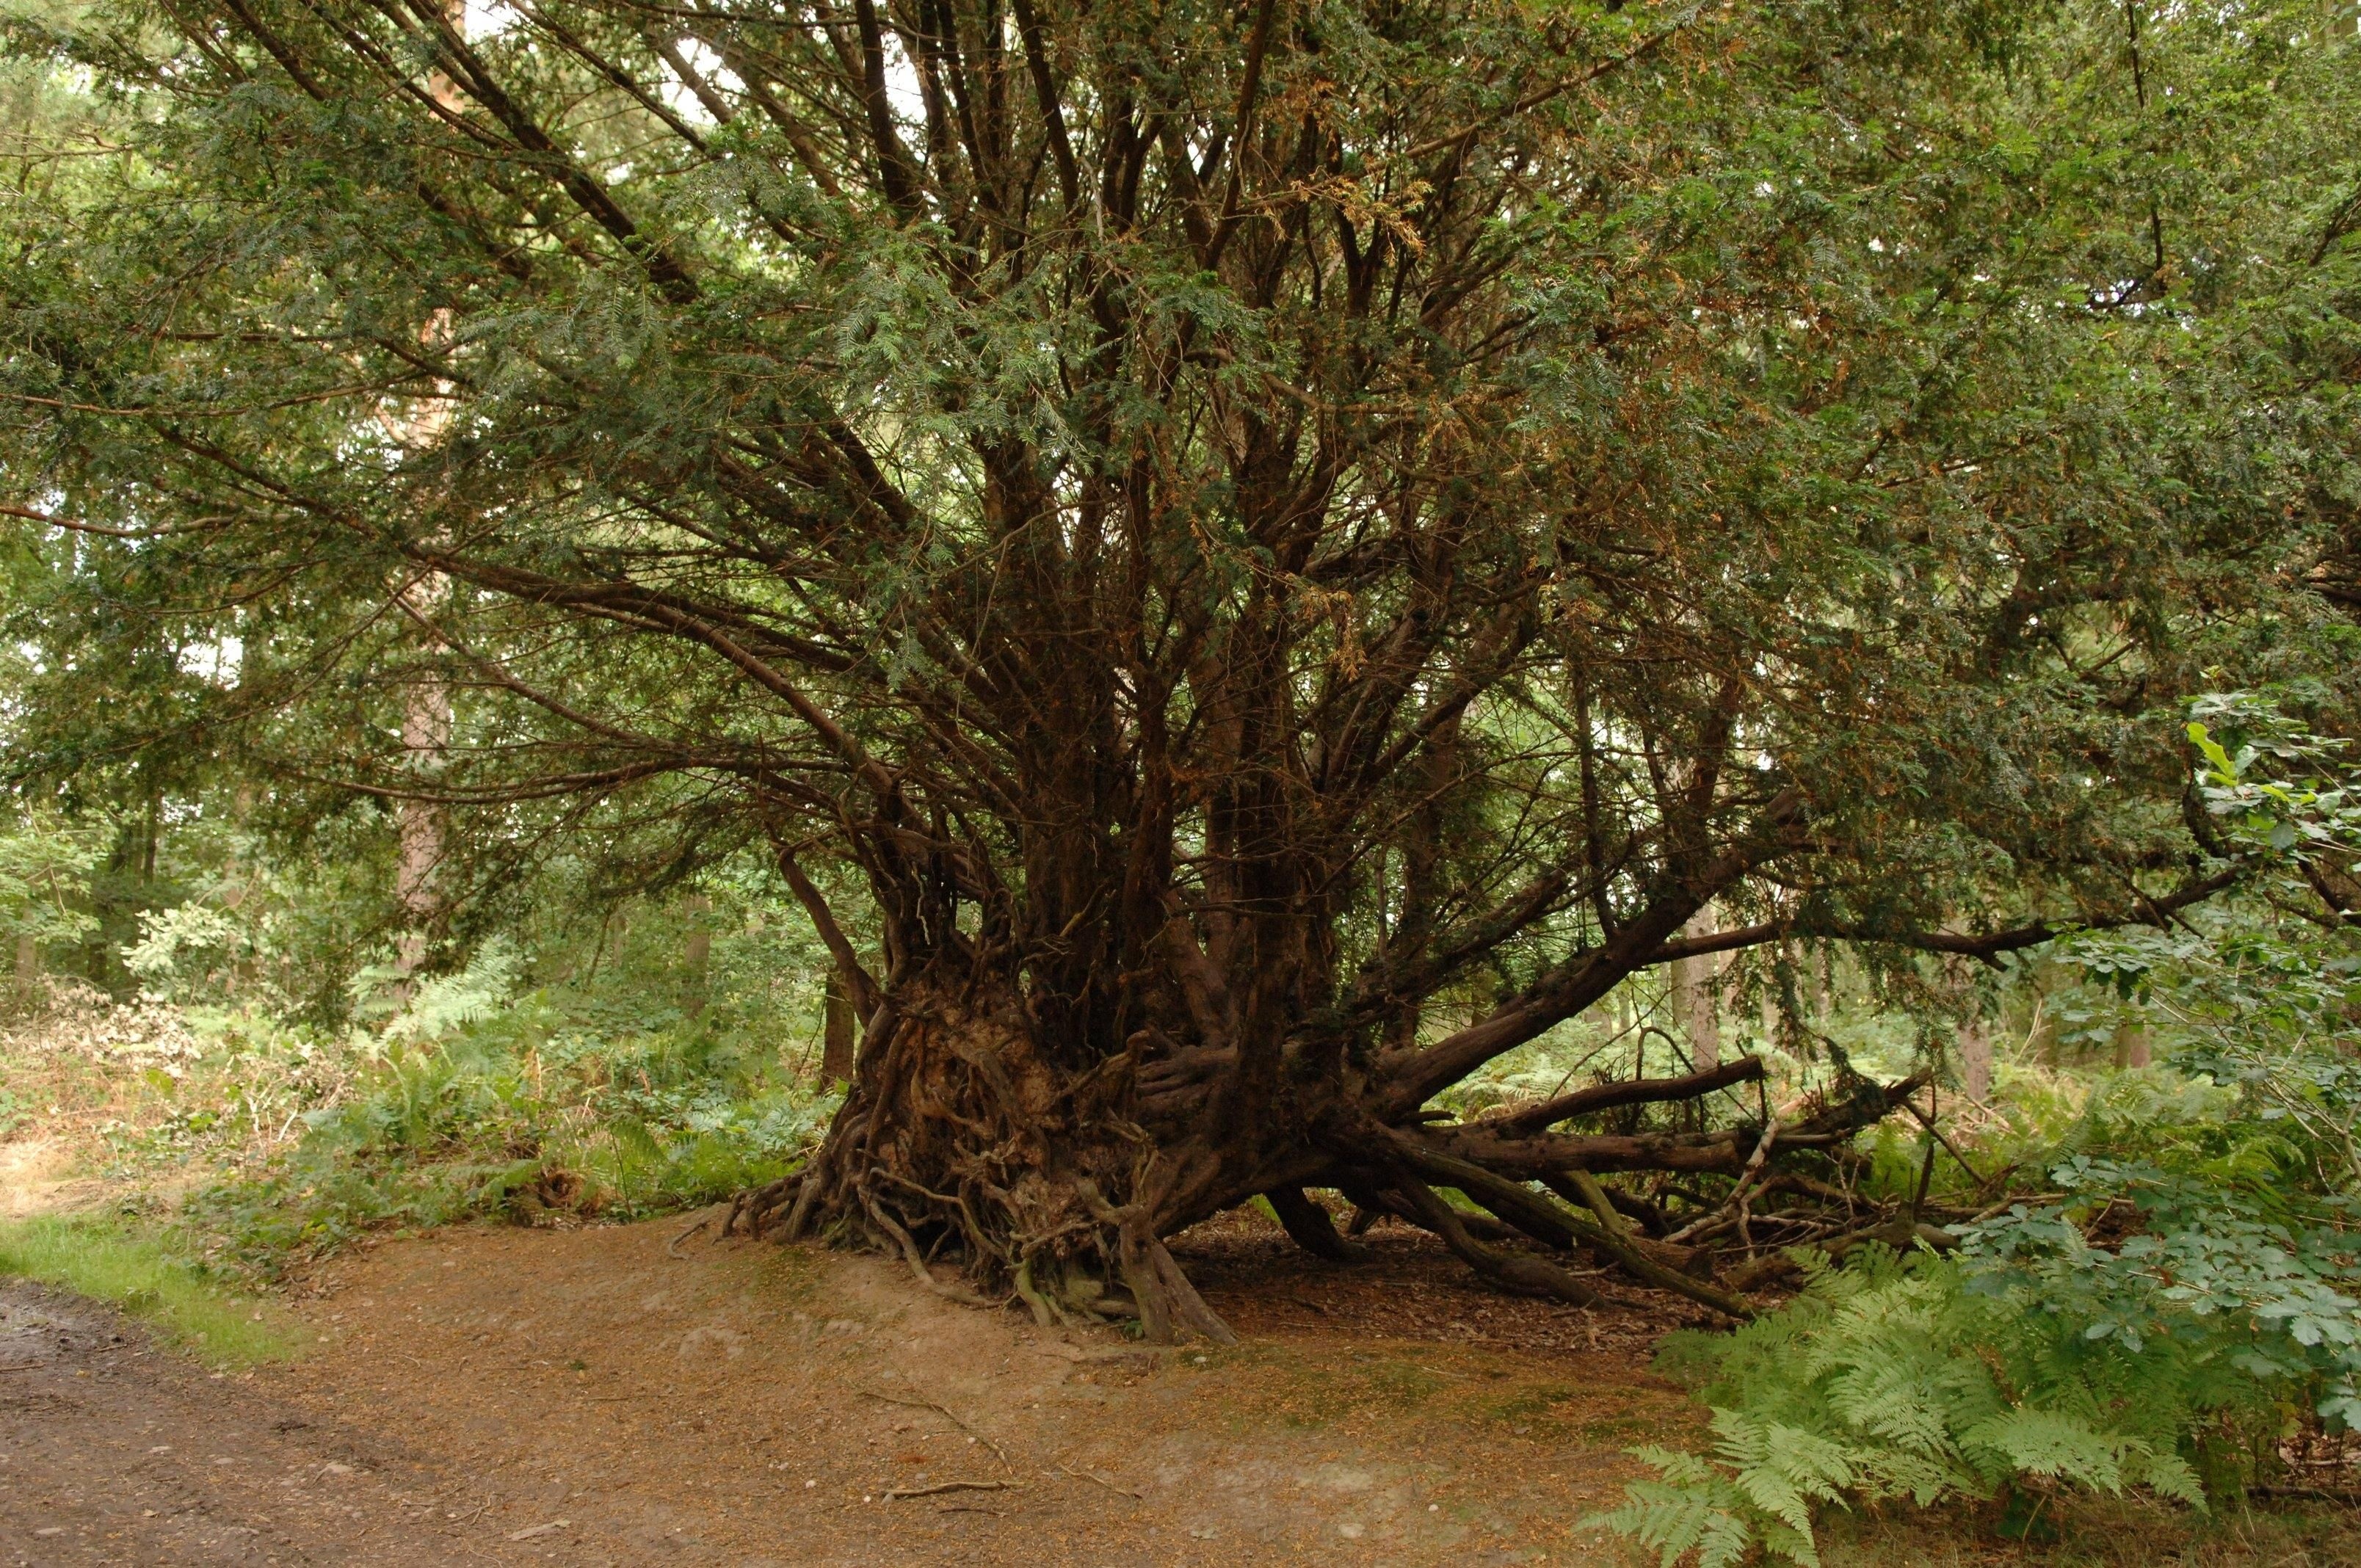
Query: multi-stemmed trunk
pixel 1051 1162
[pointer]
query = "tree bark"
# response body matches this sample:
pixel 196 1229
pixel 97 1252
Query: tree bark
pixel 1976 1059
pixel 835 1032
pixel 427 738
pixel 1696 988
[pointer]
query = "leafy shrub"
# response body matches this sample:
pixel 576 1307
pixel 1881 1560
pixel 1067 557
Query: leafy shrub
pixel 44 877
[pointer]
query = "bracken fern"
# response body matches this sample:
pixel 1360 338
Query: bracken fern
pixel 1893 1378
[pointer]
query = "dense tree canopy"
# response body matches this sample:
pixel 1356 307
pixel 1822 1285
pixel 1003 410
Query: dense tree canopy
pixel 1245 559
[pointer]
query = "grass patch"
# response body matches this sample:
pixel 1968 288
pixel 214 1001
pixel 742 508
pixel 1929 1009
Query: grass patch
pixel 132 1269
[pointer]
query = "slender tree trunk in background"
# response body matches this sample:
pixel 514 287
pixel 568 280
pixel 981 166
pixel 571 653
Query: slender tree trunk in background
pixel 426 736
pixel 151 829
pixel 1976 1059
pixel 836 1039
pixel 1695 996
pixel 28 961
pixel 236 882
pixel 426 705
pixel 2131 1046
pixel 1975 1051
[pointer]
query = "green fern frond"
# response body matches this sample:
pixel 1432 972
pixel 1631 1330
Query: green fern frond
pixel 2050 1442
pixel 1896 1380
pixel 2167 1475
pixel 1673 1520
pixel 1727 1541
pixel 1784 1470
pixel 1681 1469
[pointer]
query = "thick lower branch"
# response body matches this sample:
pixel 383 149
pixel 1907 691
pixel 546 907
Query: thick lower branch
pixel 1309 1226
pixel 1601 1229
pixel 1638 1092
pixel 1525 1275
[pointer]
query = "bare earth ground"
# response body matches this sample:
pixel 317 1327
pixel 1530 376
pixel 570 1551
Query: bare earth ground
pixel 585 1397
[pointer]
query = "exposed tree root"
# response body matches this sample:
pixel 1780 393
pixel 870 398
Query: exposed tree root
pixel 758 1208
pixel 963 1142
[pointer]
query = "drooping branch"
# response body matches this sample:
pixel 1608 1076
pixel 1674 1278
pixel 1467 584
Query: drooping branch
pixel 2155 911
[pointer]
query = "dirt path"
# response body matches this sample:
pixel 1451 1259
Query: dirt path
pixel 113 1452
pixel 515 1396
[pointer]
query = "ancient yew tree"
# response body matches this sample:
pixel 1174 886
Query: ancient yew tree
pixel 1244 558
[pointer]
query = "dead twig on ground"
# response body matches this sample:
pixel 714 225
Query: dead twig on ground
pixel 937 1489
pixel 944 1410
pixel 1102 1480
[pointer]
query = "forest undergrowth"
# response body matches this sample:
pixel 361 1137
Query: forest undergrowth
pixel 264 1143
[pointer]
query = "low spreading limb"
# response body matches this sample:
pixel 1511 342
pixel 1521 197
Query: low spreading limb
pixel 1525 1275
pixel 1309 1227
pixel 1613 1236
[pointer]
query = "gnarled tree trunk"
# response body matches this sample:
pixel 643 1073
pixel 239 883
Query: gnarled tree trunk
pixel 1050 1170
